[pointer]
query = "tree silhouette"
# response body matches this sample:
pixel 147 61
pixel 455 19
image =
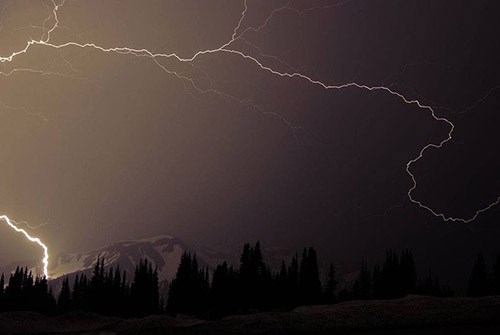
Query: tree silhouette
pixel 252 287
pixel 408 272
pixel 309 282
pixel 363 285
pixel 377 284
pixel 281 283
pixel 2 291
pixel 293 282
pixel 479 281
pixel 64 300
pixel 144 289
pixel 396 278
pixel 190 289
pixel 24 292
pixel 331 284
pixel 496 276
pixel 255 279
pixel 224 287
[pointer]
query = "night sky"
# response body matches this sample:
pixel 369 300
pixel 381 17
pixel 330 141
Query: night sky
pixel 138 133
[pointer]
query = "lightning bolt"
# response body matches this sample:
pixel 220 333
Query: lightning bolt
pixel 30 226
pixel 45 260
pixel 226 48
pixel 7 107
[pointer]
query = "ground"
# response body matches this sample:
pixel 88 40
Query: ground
pixel 408 316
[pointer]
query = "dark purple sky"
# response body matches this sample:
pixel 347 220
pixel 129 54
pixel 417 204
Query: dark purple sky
pixel 106 145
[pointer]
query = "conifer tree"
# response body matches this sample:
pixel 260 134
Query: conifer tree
pixel 144 290
pixel 331 284
pixel 64 300
pixel 2 292
pixel 309 282
pixel 479 281
pixel 255 278
pixel 496 276
pixel 363 284
pixel 224 290
pixel 281 283
pixel 293 281
pixel 408 273
pixel 189 290
pixel 376 283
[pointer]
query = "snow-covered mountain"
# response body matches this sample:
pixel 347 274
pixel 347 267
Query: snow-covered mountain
pixel 164 251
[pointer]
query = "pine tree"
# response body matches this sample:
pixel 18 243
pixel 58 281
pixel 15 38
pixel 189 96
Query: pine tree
pixel 64 300
pixel 76 295
pixel 496 276
pixel 13 292
pixel 96 291
pixel 309 282
pixel 2 284
pixel 2 293
pixel 293 281
pixel 363 284
pixel 42 299
pixel 281 284
pixel 224 290
pixel 408 272
pixel 390 277
pixel 479 283
pixel 189 290
pixel 255 278
pixel 397 277
pixel 331 285
pixel 376 283
pixel 144 290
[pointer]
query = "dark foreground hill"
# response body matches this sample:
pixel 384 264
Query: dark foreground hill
pixel 411 315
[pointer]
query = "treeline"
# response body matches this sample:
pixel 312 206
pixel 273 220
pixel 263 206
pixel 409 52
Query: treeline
pixel 105 292
pixel 109 292
pixel 250 287
pixel 396 278
pixel 26 292
pixel 253 286
pixel 484 280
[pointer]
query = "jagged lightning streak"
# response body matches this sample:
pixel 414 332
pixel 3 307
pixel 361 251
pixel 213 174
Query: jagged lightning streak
pixel 45 260
pixel 30 226
pixel 7 107
pixel 226 48
pixel 369 88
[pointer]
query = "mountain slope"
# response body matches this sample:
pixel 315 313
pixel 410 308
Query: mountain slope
pixel 163 251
